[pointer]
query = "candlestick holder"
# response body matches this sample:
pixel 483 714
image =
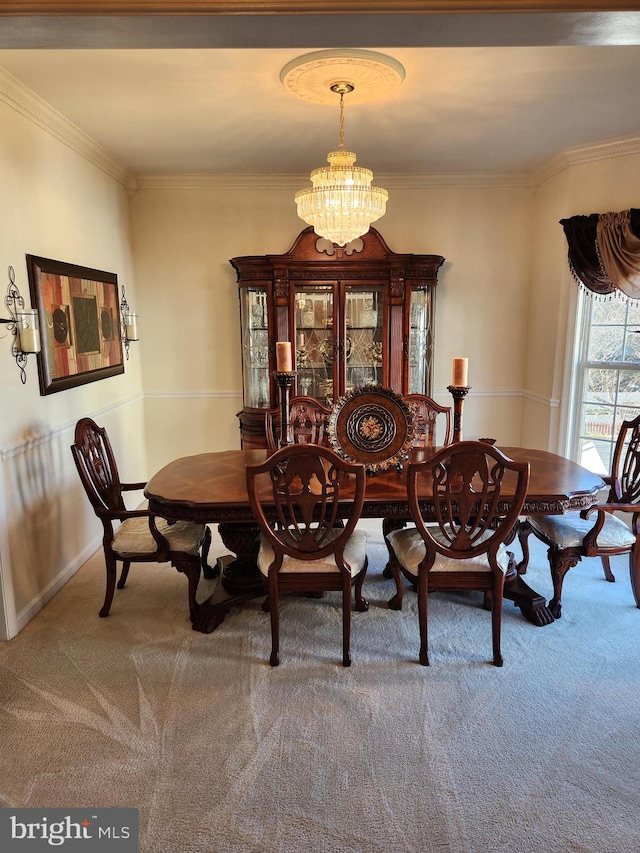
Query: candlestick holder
pixel 284 380
pixel 22 325
pixel 458 392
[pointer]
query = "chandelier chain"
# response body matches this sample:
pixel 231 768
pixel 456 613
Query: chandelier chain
pixel 341 146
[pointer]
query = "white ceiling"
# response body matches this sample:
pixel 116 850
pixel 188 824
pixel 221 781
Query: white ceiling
pixel 224 111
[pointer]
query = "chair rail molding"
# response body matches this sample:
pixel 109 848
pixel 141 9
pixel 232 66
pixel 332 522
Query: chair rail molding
pixel 550 402
pixel 192 395
pixel 34 441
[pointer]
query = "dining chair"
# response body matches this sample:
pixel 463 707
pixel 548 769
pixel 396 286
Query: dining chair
pixel 140 537
pixel 295 497
pixel 477 495
pixel 308 422
pixel 426 414
pixel 596 532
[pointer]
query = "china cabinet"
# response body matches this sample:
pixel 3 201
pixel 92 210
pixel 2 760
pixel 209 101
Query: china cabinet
pixel 355 316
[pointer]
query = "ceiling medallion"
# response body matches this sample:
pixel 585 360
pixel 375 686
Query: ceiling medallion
pixel 373 75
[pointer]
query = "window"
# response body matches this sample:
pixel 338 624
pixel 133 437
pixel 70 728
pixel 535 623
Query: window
pixel 607 379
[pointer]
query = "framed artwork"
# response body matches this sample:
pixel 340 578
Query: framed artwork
pixel 79 323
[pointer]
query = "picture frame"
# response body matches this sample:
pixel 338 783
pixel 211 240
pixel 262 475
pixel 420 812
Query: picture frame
pixel 80 326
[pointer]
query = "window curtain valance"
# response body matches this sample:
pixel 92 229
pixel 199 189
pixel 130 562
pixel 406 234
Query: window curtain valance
pixel 604 251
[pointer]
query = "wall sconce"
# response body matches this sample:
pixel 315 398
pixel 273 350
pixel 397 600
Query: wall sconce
pixel 23 325
pixel 129 323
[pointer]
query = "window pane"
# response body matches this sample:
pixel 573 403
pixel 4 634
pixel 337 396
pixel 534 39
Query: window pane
pixel 595 455
pixel 610 394
pixel 601 386
pixel 625 413
pixel 608 311
pixel 632 347
pixel 633 315
pixel 597 422
pixel 606 343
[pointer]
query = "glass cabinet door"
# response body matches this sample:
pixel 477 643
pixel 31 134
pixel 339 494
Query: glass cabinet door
pixel 363 335
pixel 420 340
pixel 315 342
pixel 254 317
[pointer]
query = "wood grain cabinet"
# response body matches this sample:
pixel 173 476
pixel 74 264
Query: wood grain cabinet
pixel 356 315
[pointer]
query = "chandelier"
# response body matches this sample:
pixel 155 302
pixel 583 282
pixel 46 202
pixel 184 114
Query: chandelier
pixel 341 204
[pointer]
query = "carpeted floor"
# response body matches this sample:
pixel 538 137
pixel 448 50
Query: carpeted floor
pixel 223 754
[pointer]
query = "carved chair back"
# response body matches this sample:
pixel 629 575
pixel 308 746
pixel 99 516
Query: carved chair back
pixel 308 422
pixel 306 485
pixel 96 464
pixel 624 482
pixel 426 412
pixel 467 480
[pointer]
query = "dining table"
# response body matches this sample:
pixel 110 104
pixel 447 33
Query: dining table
pixel 211 488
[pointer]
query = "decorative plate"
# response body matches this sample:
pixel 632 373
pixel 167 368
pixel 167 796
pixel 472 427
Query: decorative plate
pixel 372 425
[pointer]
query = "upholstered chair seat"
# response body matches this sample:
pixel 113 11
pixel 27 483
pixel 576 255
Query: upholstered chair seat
pixel 569 531
pixel 410 550
pixel 355 556
pixel 134 537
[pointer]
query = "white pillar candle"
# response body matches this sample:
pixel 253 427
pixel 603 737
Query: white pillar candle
pixel 284 363
pixel 28 331
pixel 131 327
pixel 460 372
pixel 29 340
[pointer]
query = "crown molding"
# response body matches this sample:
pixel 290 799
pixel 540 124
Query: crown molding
pixel 16 95
pixel 207 181
pixel 584 154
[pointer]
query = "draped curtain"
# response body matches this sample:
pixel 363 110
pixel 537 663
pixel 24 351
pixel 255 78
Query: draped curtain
pixel 604 251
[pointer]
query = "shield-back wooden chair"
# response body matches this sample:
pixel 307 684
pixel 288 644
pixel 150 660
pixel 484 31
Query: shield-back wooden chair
pixel 295 497
pixel 596 532
pixel 308 423
pixel 462 547
pixel 140 537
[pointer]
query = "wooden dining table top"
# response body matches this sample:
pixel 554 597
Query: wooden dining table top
pixel 211 487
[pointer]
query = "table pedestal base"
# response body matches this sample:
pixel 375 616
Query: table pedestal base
pixel 240 581
pixel 532 605
pixel 240 578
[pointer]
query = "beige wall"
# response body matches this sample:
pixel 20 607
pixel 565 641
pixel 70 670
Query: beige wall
pixel 56 204
pixel 183 239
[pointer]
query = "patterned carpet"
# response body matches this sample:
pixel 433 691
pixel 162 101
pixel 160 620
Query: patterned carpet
pixel 222 754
